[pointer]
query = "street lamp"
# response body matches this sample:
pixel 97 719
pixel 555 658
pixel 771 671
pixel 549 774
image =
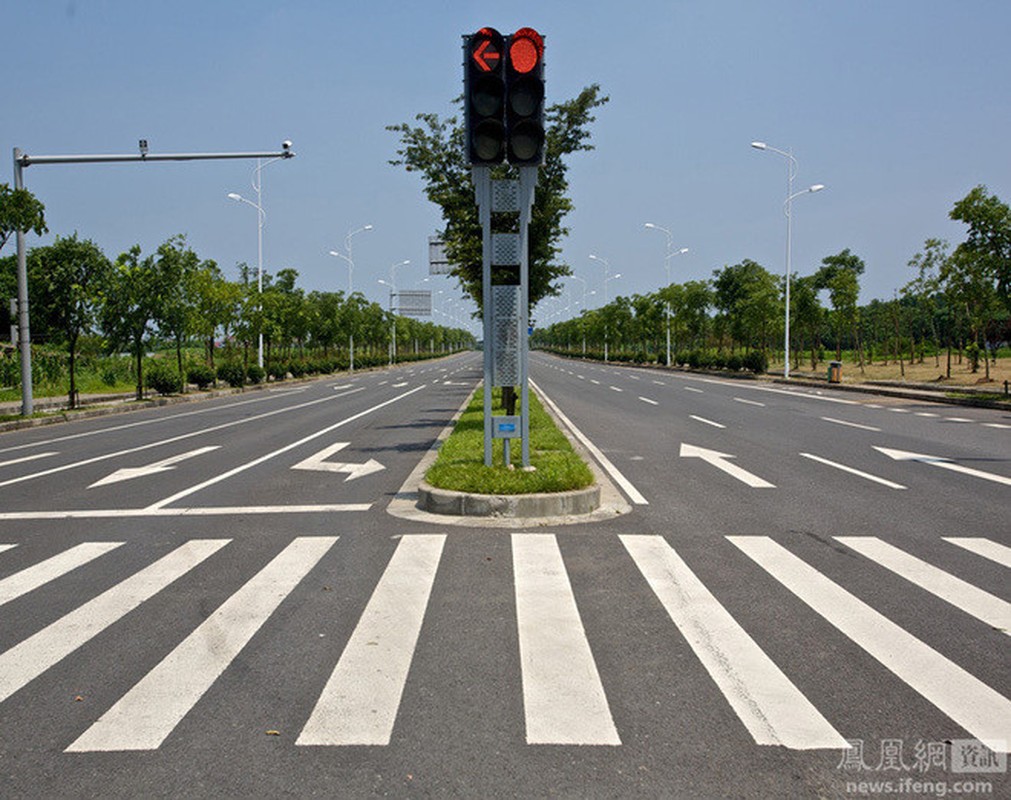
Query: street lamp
pixel 393 291
pixel 791 171
pixel 351 268
pixel 666 263
pixel 607 277
pixel 257 184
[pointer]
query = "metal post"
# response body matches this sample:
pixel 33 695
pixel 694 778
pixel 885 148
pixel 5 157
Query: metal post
pixel 482 189
pixel 24 336
pixel 528 181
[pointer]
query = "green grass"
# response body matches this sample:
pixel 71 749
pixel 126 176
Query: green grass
pixel 460 465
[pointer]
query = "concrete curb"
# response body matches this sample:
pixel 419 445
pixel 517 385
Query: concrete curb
pixel 464 504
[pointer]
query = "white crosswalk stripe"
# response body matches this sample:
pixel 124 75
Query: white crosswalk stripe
pixel 146 715
pixel 560 685
pixel 29 659
pixel 40 574
pixel 360 701
pixel 983 712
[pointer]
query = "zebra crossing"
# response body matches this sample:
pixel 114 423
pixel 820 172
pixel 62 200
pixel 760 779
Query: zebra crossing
pixel 564 698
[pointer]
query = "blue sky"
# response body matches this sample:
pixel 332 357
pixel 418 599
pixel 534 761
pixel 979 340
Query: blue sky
pixel 899 107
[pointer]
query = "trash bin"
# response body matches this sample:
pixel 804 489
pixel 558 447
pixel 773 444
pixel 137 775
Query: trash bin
pixel 835 372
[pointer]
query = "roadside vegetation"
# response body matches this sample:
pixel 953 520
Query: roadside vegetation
pixel 460 464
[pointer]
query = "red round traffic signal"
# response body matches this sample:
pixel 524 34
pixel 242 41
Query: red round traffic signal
pixel 525 50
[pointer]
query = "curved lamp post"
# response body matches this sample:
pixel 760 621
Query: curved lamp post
pixel 607 278
pixel 791 172
pixel 666 263
pixel 351 268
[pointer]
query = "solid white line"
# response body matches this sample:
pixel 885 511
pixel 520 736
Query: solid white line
pixel 29 659
pixel 961 594
pixel 647 400
pixel 693 389
pixel 359 703
pixel 852 424
pixel 983 547
pixel 40 574
pixel 208 511
pixel 749 402
pixel 633 494
pixel 170 440
pixel 772 708
pixel 26 458
pixel 563 698
pixel 257 461
pixel 706 421
pixel 144 717
pixel 983 712
pixel 852 471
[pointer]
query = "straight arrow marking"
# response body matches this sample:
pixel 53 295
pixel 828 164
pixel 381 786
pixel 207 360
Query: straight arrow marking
pixel 128 473
pixel 319 462
pixel 943 463
pixel 719 461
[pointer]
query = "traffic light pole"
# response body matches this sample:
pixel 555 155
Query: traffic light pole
pixel 22 160
pixel 482 189
pixel 528 181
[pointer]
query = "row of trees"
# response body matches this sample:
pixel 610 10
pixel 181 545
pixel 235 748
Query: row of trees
pixel 172 296
pixel 956 299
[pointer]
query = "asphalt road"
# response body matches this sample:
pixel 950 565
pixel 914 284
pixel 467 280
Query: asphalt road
pixel 807 599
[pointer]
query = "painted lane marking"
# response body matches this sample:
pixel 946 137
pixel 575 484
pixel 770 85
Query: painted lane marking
pixel 787 392
pixel 693 389
pixel 633 494
pixel 208 511
pixel 647 400
pixel 852 471
pixel 996 425
pixel 872 405
pixel 615 389
pixel 985 713
pixel 963 595
pixel 983 547
pixel 581 377
pixel 943 463
pixel 958 419
pixel 749 402
pixel 172 439
pixel 400 385
pixel 900 410
pixel 593 381
pixel 563 698
pixel 772 708
pixel 659 383
pixel 42 573
pixel 257 461
pixel 358 705
pixel 144 717
pixel 166 464
pixel 719 461
pixel 4 547
pixel 926 414
pixel 21 460
pixel 319 462
pixel 851 424
pixel 26 661
pixel 706 421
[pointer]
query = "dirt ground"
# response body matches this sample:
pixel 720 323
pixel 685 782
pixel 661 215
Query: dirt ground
pixel 930 371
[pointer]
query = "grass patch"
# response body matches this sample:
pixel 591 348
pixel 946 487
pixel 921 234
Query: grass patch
pixel 460 465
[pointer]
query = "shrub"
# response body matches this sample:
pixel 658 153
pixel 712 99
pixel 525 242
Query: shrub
pixel 255 373
pixel 163 377
pixel 201 375
pixel 756 361
pixel 735 363
pixel 232 373
pixel 279 371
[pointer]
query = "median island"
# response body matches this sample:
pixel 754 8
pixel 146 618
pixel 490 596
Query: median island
pixel 459 482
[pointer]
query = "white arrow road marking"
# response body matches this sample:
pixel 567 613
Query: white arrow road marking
pixel 26 458
pixel 128 473
pixel 319 462
pixel 718 460
pixel 943 463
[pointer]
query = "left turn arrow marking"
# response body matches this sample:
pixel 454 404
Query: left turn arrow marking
pixel 128 473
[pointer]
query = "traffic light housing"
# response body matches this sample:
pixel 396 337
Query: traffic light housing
pixel 484 91
pixel 524 91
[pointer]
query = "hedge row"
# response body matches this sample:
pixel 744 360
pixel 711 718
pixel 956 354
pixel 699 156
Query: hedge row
pixel 753 361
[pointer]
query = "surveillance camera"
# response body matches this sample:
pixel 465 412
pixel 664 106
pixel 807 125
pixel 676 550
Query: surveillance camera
pixel 286 144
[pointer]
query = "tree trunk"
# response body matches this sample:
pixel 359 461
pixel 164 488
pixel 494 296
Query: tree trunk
pixel 73 377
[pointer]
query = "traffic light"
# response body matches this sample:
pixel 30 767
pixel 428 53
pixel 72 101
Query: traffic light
pixel 525 98
pixel 485 97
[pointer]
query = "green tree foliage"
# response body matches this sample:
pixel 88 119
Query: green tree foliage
pixel 989 237
pixel 20 210
pixel 66 280
pixel 435 149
